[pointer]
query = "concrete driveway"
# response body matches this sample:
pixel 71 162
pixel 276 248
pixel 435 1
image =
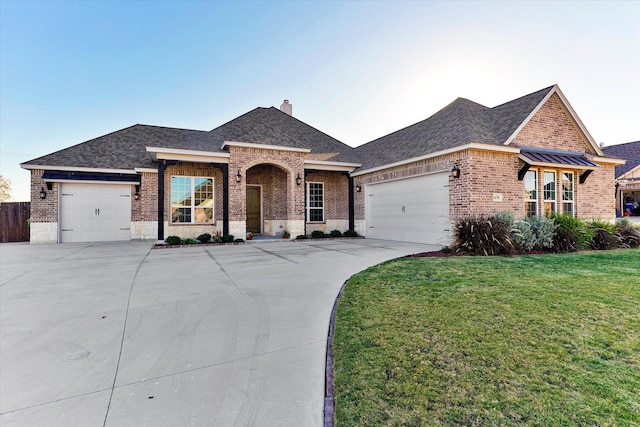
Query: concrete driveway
pixel 118 334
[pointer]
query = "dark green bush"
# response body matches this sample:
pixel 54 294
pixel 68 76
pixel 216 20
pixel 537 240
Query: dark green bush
pixel 350 233
pixel 239 240
pixel 227 238
pixel 317 234
pixel 335 233
pixel 482 235
pixel 301 237
pixel 173 240
pixel 204 238
pixel 189 242
pixel 572 233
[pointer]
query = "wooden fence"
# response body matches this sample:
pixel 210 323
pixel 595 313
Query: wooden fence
pixel 14 225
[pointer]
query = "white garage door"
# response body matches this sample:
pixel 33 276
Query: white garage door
pixel 410 210
pixel 95 212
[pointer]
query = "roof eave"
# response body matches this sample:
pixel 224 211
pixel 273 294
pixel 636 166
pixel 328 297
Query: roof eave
pixel 78 169
pixel 263 146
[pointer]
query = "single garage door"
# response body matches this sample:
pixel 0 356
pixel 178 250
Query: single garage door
pixel 95 212
pixel 410 210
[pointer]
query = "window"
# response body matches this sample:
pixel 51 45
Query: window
pixel 549 193
pixel 315 202
pixel 191 200
pixel 531 193
pixel 567 193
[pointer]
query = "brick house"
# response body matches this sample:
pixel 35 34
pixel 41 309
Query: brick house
pixel 627 188
pixel 265 172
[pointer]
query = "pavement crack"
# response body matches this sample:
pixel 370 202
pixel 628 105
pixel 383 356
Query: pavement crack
pixel 276 254
pixel 224 271
pixel 124 330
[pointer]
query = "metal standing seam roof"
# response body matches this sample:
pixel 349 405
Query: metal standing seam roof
pixel 558 158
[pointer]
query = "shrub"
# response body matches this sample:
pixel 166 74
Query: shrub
pixel 217 238
pixel 572 234
pixel 628 235
pixel 239 240
pixel 335 233
pixel 227 238
pixel 505 218
pixel 350 233
pixel 173 240
pixel 604 235
pixel 536 232
pixel 204 238
pixel 317 234
pixel 482 235
pixel 301 237
pixel 188 242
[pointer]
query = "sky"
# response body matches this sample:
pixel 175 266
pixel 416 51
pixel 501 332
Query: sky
pixel 71 71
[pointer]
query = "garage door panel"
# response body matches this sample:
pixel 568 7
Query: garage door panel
pixel 95 212
pixel 413 209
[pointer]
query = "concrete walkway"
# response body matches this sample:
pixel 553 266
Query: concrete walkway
pixel 118 334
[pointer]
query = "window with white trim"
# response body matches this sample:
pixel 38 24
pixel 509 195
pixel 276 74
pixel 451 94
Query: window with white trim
pixel 531 193
pixel 315 202
pixel 191 200
pixel 567 193
pixel 549 193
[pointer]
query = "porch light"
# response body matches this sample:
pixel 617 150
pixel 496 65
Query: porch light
pixel 455 172
pixel 358 188
pixel 136 196
pixel 298 180
pixel 238 176
pixel 43 194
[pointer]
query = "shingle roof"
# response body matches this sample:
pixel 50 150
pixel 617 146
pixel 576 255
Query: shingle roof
pixel 629 152
pixel 123 149
pixel 459 123
pixel 126 148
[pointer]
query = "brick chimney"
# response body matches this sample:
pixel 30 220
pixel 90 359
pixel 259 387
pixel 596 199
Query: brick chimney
pixel 286 107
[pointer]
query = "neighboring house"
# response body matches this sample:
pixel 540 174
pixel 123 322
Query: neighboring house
pixel 627 187
pixel 265 172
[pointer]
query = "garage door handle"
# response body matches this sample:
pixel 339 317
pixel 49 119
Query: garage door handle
pixel 97 211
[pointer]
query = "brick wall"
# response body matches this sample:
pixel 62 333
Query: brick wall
pixel 596 197
pixel 146 207
pixel 336 193
pixel 43 210
pixel 273 182
pixel 552 127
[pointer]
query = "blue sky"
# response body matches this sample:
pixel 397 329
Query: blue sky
pixel 72 71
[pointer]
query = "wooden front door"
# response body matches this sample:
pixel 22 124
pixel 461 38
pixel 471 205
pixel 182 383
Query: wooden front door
pixel 254 213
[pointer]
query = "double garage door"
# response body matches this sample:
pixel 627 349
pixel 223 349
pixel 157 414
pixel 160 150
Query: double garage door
pixel 410 210
pixel 95 212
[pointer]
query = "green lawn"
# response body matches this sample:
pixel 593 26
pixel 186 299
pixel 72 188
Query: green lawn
pixel 545 340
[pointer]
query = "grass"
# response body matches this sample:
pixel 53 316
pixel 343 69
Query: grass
pixel 543 340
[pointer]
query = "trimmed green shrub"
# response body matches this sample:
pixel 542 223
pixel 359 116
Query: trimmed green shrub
pixel 350 233
pixel 335 233
pixel 628 235
pixel 227 238
pixel 482 235
pixel 317 234
pixel 239 240
pixel 173 240
pixel 301 237
pixel 189 242
pixel 204 238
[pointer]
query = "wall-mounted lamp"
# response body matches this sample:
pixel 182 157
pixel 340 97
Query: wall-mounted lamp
pixel 455 172
pixel 43 194
pixel 298 180
pixel 358 188
pixel 238 176
pixel 136 196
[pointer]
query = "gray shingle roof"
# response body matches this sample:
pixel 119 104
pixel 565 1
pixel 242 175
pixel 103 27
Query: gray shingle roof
pixel 126 148
pixel 629 152
pixel 459 123
pixel 123 149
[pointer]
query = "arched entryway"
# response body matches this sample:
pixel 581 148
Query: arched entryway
pixel 267 197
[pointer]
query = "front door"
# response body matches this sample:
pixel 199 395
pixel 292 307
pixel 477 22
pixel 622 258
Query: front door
pixel 254 213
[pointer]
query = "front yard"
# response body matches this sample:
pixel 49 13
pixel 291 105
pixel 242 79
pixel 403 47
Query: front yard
pixel 527 340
